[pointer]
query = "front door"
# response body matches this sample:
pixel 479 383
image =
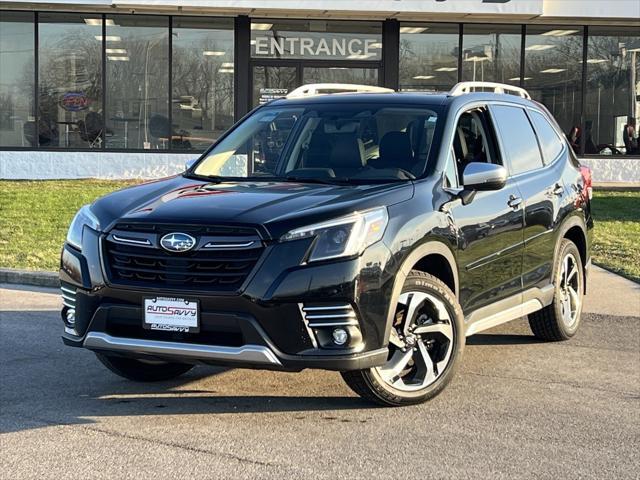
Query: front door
pixel 490 227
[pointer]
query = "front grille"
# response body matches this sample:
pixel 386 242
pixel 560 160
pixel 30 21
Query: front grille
pixel 221 261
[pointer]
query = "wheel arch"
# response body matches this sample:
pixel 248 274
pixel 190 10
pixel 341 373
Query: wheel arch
pixel 433 257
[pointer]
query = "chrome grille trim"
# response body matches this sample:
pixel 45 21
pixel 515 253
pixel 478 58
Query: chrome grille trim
pixel 329 315
pixel 68 296
pixel 132 241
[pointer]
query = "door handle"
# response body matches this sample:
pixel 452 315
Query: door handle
pixel 514 202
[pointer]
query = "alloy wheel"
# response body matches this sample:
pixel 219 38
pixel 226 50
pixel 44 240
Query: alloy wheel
pixel 569 290
pixel 420 343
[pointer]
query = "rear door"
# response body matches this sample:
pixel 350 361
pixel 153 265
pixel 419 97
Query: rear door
pixel 532 148
pixel 490 227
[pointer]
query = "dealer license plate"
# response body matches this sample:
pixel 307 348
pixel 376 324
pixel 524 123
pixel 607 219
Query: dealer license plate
pixel 171 314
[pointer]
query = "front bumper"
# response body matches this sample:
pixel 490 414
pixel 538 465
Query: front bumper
pixel 262 326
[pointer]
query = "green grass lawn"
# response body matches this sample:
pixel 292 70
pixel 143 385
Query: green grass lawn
pixel 34 216
pixel 617 232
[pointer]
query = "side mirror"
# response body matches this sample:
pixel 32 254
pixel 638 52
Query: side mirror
pixel 190 163
pixel 484 176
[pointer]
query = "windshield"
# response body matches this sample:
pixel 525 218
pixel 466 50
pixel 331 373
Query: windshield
pixel 330 142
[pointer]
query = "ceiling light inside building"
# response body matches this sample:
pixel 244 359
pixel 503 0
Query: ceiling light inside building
pixel 97 22
pixel 225 70
pixel 213 53
pixel 560 33
pixel 446 69
pixel 413 29
pixel 539 47
pixel 423 77
pixel 261 26
pixel 116 50
pixel 596 60
pixel 109 38
pixel 360 56
pixel 553 70
pixel 227 65
pixel 517 79
pixel 118 59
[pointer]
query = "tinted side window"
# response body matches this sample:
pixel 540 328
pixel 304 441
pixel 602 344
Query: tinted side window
pixel 518 139
pixel 549 140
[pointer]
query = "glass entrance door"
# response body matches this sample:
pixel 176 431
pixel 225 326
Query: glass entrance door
pixel 359 76
pixel 275 81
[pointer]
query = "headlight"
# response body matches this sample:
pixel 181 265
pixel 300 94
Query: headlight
pixel 345 236
pixel 84 217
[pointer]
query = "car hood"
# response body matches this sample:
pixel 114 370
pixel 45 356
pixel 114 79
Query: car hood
pixel 272 207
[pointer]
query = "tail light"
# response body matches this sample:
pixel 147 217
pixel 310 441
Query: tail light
pixel 587 184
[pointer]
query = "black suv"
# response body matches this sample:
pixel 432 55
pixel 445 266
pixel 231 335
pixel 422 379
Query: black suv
pixel 367 233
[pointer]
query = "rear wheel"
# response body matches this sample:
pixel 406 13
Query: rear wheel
pixel 560 320
pixel 425 344
pixel 143 370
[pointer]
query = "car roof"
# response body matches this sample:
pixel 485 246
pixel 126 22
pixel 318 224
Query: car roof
pixel 396 98
pixel 402 98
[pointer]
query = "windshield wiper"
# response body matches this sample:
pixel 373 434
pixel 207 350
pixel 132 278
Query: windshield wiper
pixel 323 181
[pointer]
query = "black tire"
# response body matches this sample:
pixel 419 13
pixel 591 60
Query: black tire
pixel 369 384
pixel 548 324
pixel 141 370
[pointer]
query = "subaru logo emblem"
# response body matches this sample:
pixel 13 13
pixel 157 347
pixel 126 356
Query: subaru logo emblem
pixel 177 242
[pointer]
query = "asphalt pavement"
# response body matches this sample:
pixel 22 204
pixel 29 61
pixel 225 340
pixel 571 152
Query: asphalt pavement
pixel 518 408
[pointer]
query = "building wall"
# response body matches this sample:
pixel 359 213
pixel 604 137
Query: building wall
pixel 587 72
pixel 115 165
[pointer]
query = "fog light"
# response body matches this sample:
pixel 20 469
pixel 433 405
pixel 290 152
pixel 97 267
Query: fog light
pixel 340 336
pixel 71 316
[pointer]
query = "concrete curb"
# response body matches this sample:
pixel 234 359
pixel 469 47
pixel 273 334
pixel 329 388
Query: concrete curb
pixel 29 277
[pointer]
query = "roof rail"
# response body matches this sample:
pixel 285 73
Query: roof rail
pixel 327 88
pixel 469 87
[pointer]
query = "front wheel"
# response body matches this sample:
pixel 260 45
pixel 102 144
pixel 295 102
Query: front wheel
pixel 425 345
pixel 141 370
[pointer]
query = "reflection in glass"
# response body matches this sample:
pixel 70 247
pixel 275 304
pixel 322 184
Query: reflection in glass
pixel 137 110
pixel 491 53
pixel 553 74
pixel 358 76
pixel 613 72
pixel 272 82
pixel 428 56
pixel 316 40
pixel 17 120
pixel 203 73
pixel 70 81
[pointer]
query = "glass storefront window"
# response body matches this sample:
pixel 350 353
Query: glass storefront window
pixel 491 53
pixel 316 40
pixel 553 74
pixel 202 83
pixel 17 62
pixel 70 81
pixel 611 104
pixel 429 56
pixel 137 110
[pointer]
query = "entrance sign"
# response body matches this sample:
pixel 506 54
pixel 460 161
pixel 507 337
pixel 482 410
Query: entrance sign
pixel 308 47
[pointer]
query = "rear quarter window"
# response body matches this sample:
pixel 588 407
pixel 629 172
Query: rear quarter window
pixel 519 141
pixel 550 143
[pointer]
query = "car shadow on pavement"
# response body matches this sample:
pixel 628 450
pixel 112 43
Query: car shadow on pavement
pixel 502 339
